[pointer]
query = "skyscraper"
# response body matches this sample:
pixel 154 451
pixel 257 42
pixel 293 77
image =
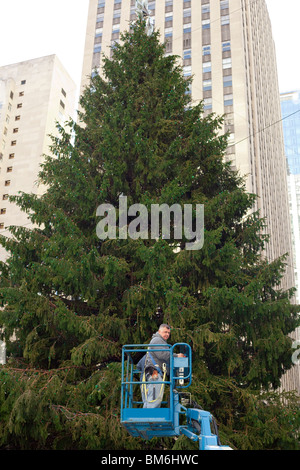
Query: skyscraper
pixel 290 109
pixel 290 106
pixel 34 94
pixel 227 46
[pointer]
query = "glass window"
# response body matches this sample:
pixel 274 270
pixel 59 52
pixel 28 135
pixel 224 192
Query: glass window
pixel 187 54
pixel 207 102
pixel 206 67
pixel 227 63
pixel 205 24
pixel 224 4
pixel 207 85
pixel 226 46
pixel 224 20
pixel 227 81
pixel 187 71
pixel 206 50
pixel 168 32
pixel 228 100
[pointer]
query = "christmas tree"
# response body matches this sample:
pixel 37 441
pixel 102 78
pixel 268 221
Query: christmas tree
pixel 71 299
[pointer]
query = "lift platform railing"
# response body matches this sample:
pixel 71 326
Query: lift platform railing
pixel 163 420
pixel 179 373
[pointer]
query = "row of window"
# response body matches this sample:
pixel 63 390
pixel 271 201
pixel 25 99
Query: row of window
pixel 9 169
pixel 13 143
pixel 187 29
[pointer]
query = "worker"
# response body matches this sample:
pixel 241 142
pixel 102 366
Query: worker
pixel 155 365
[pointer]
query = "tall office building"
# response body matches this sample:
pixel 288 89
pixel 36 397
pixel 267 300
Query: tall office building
pixel 34 94
pixel 227 46
pixel 290 109
pixel 290 106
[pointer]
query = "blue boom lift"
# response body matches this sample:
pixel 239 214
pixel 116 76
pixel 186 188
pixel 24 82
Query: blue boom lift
pixel 165 421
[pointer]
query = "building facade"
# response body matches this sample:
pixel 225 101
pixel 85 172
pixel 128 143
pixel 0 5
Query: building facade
pixel 290 106
pixel 227 46
pixel 34 95
pixel 290 110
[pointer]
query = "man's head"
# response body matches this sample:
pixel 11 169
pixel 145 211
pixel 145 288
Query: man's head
pixel 164 331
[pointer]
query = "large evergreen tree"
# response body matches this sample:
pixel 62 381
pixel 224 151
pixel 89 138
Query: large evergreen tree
pixel 72 300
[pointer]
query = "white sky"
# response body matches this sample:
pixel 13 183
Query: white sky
pixel 36 28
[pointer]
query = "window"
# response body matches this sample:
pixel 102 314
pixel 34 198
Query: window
pixel 187 28
pixel 17 118
pixel 224 4
pixel 207 85
pixel 11 155
pixel 205 24
pixel 9 169
pixel 187 54
pixel 168 32
pixel 226 46
pixel 7 183
pixel 5 197
pixel 16 129
pixel 228 100
pixel 207 103
pixel 21 93
pixel 11 95
pixel 3 211
pixel 187 42
pixel 187 71
pixel 224 20
pixel 63 92
pixel 227 63
pixel 117 17
pixel 13 142
pixel 1 225
pixel 23 82
pixel 205 8
pixel 206 67
pixel 19 105
pixel 62 104
pixel 227 81
pixel 206 50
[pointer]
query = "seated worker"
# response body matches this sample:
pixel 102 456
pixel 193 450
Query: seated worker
pixel 155 366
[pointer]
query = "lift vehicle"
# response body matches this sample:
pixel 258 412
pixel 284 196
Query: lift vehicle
pixel 173 417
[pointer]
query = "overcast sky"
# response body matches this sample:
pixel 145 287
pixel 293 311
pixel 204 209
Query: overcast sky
pixel 36 28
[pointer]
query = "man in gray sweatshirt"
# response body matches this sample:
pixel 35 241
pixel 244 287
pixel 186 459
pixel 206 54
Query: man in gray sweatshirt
pixel 153 365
